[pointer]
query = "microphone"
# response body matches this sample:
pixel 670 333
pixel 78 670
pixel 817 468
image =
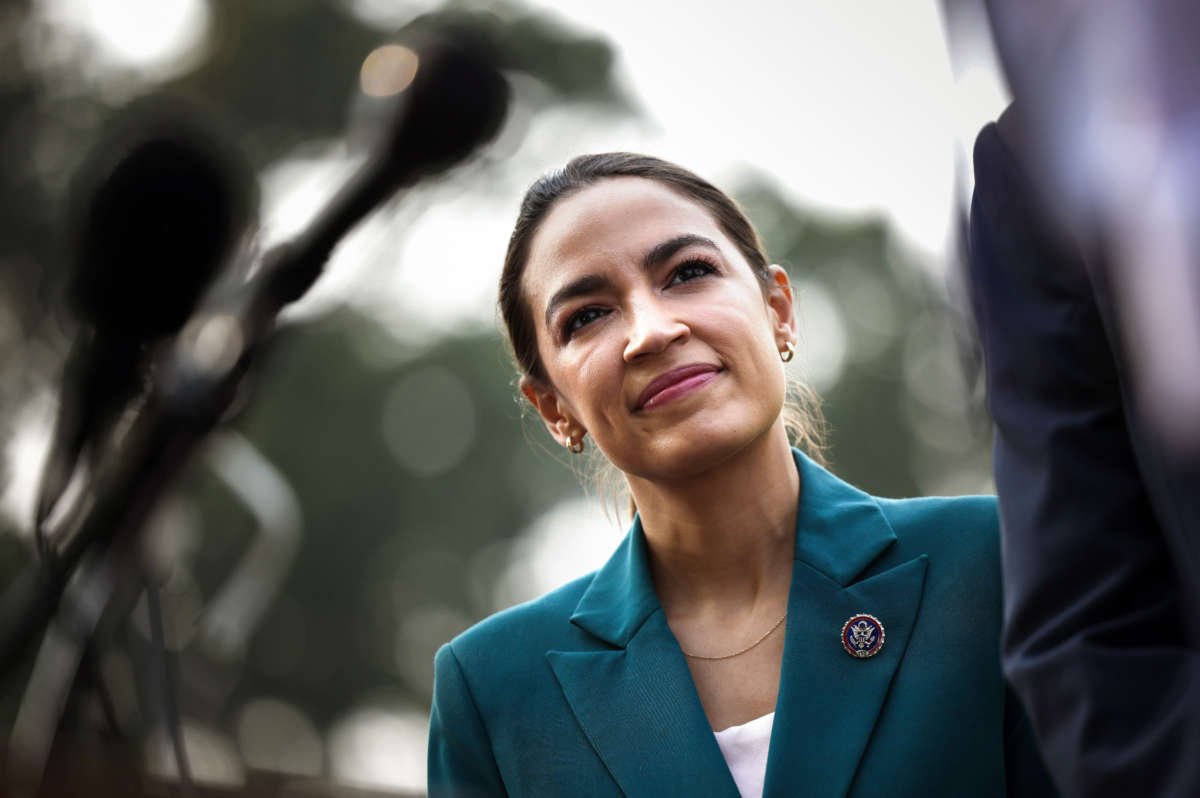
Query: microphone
pixel 456 100
pixel 156 208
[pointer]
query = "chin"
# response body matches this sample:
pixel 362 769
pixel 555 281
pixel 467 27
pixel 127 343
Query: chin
pixel 689 450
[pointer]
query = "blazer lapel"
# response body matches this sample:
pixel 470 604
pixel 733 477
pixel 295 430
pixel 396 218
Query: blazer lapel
pixel 828 700
pixel 635 700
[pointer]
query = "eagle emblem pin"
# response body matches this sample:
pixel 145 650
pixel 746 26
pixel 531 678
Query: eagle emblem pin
pixel 862 635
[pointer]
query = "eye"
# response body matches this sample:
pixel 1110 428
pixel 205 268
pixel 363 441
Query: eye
pixel 690 270
pixel 580 319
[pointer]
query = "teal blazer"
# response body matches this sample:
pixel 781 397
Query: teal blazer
pixel 585 692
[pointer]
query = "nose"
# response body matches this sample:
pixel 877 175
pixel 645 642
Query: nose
pixel 652 329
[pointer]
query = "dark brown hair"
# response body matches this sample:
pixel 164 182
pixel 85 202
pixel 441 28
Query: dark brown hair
pixel 802 416
pixel 580 173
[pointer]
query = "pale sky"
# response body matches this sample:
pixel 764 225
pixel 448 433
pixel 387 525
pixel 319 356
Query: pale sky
pixel 847 105
pixel 849 108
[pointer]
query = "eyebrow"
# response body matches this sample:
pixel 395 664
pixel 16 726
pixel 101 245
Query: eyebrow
pixel 655 257
pixel 668 248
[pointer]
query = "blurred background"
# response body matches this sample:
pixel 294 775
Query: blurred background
pixel 381 483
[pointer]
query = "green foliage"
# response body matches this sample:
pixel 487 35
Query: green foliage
pixel 902 418
pixel 390 562
pixel 320 414
pixel 413 466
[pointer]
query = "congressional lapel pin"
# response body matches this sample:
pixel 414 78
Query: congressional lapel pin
pixel 862 636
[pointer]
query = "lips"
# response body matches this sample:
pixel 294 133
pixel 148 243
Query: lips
pixel 675 383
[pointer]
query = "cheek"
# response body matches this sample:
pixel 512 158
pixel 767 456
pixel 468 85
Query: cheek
pixel 742 328
pixel 586 382
pixel 596 387
pixel 744 336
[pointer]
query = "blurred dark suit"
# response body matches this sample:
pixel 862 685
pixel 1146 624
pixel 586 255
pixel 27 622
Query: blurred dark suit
pixel 1101 517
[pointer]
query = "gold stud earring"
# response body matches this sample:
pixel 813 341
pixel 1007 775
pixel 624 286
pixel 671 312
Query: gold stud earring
pixel 573 443
pixel 788 352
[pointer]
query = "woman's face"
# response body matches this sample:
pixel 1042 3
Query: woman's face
pixel 657 339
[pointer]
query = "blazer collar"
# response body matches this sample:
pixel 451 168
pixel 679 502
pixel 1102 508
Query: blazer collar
pixel 839 532
pixel 621 596
pixel 635 699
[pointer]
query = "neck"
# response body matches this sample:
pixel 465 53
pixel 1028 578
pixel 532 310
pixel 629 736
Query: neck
pixel 723 538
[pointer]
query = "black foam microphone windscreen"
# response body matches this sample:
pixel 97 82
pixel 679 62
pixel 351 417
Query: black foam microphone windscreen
pixel 155 228
pixel 156 208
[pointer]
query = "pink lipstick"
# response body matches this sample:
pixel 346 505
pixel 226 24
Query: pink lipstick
pixel 675 383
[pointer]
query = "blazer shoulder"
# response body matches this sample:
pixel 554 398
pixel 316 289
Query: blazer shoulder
pixel 964 530
pixel 963 593
pixel 524 630
pixel 979 513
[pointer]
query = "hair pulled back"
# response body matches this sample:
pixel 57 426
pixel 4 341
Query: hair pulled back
pixel 802 412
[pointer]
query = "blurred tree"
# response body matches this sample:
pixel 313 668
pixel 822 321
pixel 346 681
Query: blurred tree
pixel 404 474
pixel 401 551
pixel 904 414
pixel 274 76
pixel 414 471
pixel 382 570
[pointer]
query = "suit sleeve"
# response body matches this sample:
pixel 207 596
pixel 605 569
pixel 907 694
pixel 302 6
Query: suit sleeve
pixel 1094 641
pixel 1025 774
pixel 461 763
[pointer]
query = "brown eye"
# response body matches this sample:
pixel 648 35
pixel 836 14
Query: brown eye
pixel 580 319
pixel 691 270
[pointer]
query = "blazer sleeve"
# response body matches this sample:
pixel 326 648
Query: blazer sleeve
pixel 1093 641
pixel 461 764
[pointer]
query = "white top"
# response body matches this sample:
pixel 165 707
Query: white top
pixel 745 750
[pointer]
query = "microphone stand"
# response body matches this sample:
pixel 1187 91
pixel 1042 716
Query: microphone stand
pixel 457 106
pixel 198 383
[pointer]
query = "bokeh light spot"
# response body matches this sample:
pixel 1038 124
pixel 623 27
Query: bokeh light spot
pixel 930 371
pixel 210 755
pixel 429 421
pixel 388 70
pixel 380 748
pixel 871 313
pixel 421 633
pixel 274 735
pixel 154 35
pixel 823 340
pixel 25 454
pixel 570 539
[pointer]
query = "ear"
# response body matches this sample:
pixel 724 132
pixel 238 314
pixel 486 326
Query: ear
pixel 555 414
pixel 781 304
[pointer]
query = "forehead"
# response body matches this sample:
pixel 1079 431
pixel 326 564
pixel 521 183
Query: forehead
pixel 615 221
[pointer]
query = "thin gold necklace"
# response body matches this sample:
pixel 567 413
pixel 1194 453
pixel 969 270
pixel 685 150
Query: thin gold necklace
pixel 765 635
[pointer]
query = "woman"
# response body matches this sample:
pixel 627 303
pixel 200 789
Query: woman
pixel 764 629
